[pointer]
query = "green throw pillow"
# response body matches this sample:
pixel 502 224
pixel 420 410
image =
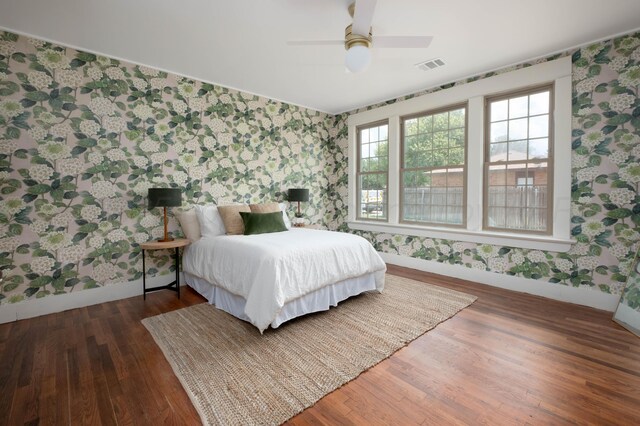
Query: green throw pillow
pixel 262 223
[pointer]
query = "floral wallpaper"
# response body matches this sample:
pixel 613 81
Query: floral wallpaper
pixel 82 138
pixel 631 293
pixel 605 188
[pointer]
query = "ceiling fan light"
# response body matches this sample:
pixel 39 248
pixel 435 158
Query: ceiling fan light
pixel 358 58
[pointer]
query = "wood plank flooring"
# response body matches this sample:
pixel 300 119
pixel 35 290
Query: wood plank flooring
pixel 510 358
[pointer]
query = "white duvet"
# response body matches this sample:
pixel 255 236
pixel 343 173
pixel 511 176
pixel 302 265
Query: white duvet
pixel 269 270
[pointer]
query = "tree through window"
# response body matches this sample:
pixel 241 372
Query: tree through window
pixel 373 171
pixel 432 172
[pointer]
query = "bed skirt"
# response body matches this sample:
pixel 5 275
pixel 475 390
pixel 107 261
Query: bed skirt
pixel 319 300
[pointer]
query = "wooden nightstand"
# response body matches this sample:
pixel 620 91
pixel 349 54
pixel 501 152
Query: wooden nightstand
pixel 311 226
pixel 157 245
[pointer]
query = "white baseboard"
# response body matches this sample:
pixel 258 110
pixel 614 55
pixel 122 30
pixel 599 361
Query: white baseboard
pixel 51 304
pixel 577 295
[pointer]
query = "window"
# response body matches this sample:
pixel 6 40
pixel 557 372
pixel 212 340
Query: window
pixel 517 153
pixel 433 167
pixel 488 161
pixel 373 171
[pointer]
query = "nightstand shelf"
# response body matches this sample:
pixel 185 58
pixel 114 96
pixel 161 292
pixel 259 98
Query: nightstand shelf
pixel 158 245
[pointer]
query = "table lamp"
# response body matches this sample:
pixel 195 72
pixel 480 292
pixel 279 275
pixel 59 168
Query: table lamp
pixel 298 194
pixel 165 197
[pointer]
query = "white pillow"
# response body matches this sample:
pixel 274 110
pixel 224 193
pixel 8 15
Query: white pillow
pixel 287 222
pixel 210 221
pixel 189 224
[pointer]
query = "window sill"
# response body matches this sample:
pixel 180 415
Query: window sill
pixel 548 243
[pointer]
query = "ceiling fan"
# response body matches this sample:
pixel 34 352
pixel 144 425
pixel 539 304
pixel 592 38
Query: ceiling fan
pixel 359 38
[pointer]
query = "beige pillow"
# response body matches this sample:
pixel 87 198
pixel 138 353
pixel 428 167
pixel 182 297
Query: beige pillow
pixel 189 224
pixel 231 218
pixel 264 208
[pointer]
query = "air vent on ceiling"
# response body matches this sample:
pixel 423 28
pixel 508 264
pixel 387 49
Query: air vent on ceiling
pixel 430 64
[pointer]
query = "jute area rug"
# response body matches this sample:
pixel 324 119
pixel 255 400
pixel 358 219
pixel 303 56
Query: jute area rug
pixel 234 375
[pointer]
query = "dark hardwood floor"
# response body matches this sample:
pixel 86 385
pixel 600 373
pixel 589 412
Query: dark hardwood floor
pixel 510 358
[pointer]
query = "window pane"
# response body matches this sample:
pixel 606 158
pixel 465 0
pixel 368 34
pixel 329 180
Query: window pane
pixel 539 126
pixel 515 218
pixel 454 196
pixel 498 131
pixel 455 214
pixel 517 150
pixel 373 134
pixel 539 103
pixel 425 141
pixel 516 196
pixel 538 196
pixel 410 144
pixel 497 197
pixel 456 119
pixel 427 159
pixel 537 219
pixel 440 139
pixel 539 148
pixel 440 157
pixel 364 136
pixel 411 127
pixel 498 152
pixel 424 124
pixel 373 164
pixel 382 149
pixel 384 133
pixel 497 175
pixel 441 121
pixel 496 217
pixel 499 110
pixel 364 150
pixel 456 137
pixel 373 149
pixel 419 159
pixel 518 107
pixel 456 156
pixel 518 129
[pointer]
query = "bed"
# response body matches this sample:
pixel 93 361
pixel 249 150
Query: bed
pixel 268 279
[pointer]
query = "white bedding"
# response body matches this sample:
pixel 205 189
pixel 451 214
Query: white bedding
pixel 269 270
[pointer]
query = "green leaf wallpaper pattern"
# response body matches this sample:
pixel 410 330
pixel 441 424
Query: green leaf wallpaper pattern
pixel 82 137
pixel 605 162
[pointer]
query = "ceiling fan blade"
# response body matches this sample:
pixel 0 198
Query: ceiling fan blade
pixel 402 41
pixel 314 42
pixel 363 16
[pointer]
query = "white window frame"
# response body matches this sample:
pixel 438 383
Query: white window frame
pixel 557 72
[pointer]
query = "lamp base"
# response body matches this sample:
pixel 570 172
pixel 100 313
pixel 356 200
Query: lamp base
pixel 165 240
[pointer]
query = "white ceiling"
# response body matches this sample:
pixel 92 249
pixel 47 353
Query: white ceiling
pixel 242 43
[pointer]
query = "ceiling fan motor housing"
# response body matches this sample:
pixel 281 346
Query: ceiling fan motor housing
pixel 351 39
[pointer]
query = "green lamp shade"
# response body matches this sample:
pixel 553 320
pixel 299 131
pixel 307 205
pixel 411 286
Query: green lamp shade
pixel 164 197
pixel 298 194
